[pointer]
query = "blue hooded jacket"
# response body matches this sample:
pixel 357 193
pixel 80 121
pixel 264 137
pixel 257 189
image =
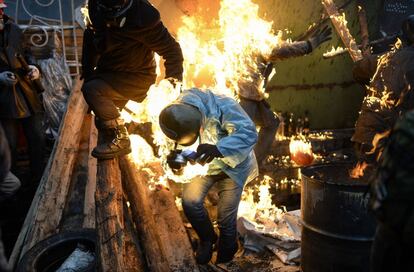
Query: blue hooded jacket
pixel 226 125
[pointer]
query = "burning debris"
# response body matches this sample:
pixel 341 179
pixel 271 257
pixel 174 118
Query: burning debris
pixel 301 152
pixel 358 171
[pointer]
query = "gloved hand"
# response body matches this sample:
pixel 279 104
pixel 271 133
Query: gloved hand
pixel 173 163
pixel 174 82
pixel 206 153
pixel 8 78
pixel 320 36
pixel 34 73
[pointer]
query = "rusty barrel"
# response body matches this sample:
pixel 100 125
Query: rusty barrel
pixel 338 228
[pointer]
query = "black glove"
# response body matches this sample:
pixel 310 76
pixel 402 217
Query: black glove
pixel 172 161
pixel 206 153
pixel 320 36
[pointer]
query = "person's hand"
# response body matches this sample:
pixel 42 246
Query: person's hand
pixel 8 78
pixel 206 153
pixel 34 73
pixel 172 161
pixel 320 36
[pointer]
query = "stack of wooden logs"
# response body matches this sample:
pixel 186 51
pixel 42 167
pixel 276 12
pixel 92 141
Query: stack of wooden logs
pixel 138 229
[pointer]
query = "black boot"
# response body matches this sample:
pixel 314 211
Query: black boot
pixel 205 251
pixel 115 141
pixel 226 251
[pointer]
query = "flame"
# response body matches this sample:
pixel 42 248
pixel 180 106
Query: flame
pixel 220 52
pixel 358 171
pixel 264 209
pixel 301 151
pixel 334 51
pixel 85 12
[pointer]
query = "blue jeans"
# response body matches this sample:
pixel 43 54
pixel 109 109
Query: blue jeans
pixel 229 198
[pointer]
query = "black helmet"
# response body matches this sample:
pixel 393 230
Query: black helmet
pixel 408 29
pixel 181 123
pixel 113 9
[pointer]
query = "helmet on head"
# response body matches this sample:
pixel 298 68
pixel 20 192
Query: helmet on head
pixel 408 29
pixel 181 123
pixel 113 9
pixel 2 4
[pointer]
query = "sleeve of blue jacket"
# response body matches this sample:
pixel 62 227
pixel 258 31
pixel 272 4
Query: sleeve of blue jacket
pixel 242 134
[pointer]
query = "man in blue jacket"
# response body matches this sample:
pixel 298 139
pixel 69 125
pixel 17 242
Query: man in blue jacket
pixel 227 136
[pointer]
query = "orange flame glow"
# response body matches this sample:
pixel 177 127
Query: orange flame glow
pixel 301 152
pixel 358 171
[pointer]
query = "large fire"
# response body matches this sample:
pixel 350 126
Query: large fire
pixel 217 53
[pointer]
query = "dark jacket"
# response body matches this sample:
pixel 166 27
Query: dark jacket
pixel 124 57
pixel 5 161
pixel 21 100
pixel 389 96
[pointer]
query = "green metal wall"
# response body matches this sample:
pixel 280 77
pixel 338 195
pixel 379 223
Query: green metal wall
pixel 323 87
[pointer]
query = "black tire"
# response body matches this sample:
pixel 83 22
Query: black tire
pixel 49 254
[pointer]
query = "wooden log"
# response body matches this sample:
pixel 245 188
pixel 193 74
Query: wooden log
pixel 45 212
pixel 89 208
pixel 174 239
pixel 363 25
pixel 133 256
pixel 170 233
pixel 73 215
pixel 137 191
pixel 109 216
pixel 341 27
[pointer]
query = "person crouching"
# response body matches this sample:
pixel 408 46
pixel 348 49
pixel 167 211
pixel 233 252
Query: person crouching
pixel 226 137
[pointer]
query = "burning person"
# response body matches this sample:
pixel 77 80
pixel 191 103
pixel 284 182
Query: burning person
pixel 118 64
pixel 20 103
pixel 251 87
pixel 392 201
pixel 390 92
pixel 227 136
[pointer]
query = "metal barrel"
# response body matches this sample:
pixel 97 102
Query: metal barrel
pixel 337 229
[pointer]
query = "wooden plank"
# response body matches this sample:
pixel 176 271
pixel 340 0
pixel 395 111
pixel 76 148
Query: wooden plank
pixel 133 256
pixel 72 215
pixel 341 27
pixel 109 216
pixel 174 239
pixel 137 191
pixel 44 214
pixel 89 209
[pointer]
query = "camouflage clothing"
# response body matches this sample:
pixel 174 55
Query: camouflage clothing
pixel 393 202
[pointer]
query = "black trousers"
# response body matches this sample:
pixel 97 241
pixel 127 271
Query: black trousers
pixel 103 99
pixel 33 131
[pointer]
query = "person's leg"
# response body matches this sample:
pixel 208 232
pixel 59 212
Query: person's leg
pixel 229 198
pixel 262 116
pixel 9 186
pixel 385 250
pixel 113 135
pixel 194 194
pixel 251 108
pixel 103 99
pixel 269 125
pixel 4 267
pixel 33 131
pixel 10 129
